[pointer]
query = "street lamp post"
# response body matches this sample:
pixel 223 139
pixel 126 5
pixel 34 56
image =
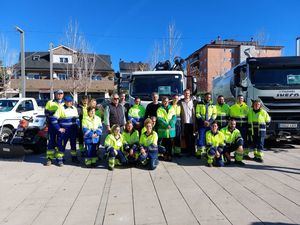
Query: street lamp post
pixel 23 86
pixel 51 71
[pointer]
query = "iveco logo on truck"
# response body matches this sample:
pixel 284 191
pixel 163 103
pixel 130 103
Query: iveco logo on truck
pixel 290 94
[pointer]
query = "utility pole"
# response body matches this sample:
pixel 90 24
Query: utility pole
pixel 51 71
pixel 23 81
pixel 298 46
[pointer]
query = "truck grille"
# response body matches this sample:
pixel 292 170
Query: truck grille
pixel 280 104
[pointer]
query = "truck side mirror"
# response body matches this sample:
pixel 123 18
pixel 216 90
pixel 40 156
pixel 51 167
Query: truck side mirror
pixel 237 76
pixel 240 78
pixel 194 85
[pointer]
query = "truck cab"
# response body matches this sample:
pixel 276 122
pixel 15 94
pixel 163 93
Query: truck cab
pixel 165 83
pixel 275 81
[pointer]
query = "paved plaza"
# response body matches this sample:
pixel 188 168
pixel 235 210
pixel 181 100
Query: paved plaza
pixel 182 192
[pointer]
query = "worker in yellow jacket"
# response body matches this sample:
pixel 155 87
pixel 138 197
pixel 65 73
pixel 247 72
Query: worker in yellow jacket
pixel 114 147
pixel 206 114
pixel 215 142
pixel 258 120
pixel 92 130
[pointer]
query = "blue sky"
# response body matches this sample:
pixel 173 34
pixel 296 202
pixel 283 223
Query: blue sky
pixel 128 29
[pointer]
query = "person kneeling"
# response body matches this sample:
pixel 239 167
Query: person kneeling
pixel 148 146
pixel 114 148
pixel 131 141
pixel 214 145
pixel 234 143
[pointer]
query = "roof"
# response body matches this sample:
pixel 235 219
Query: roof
pixel 132 66
pixel 232 44
pixel 102 63
pixel 158 72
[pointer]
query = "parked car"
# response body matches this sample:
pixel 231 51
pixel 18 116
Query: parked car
pixel 12 110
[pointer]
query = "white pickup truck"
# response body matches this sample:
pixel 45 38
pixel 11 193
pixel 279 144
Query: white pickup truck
pixel 11 112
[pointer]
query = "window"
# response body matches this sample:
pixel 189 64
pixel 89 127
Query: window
pixel 33 76
pixel 36 58
pixel 96 77
pixel 91 59
pixel 62 76
pixel 63 60
pixel 25 106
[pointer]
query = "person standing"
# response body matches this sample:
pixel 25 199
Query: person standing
pixel 136 114
pixel 114 114
pixel 125 104
pixel 258 120
pixel 215 142
pixel 166 120
pixel 92 130
pixel 188 121
pixel 233 143
pixel 206 113
pixel 66 122
pixel 152 107
pixel 239 112
pixel 177 108
pixel 222 112
pixel 50 108
pixel 82 112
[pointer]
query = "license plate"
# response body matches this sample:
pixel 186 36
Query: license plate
pixel 6 149
pixel 288 125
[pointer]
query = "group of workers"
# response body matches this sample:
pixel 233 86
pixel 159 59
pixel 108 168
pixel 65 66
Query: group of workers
pixel 140 136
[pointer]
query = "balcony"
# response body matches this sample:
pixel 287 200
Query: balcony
pixel 66 85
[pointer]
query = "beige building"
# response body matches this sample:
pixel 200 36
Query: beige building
pixel 72 72
pixel 219 56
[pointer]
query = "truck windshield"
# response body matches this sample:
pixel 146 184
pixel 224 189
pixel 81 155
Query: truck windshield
pixel 7 105
pixel 276 77
pixel 165 84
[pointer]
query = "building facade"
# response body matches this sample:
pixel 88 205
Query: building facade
pixel 219 56
pixel 126 68
pixel 74 72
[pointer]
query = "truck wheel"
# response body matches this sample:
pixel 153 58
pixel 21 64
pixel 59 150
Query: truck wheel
pixel 6 135
pixel 40 146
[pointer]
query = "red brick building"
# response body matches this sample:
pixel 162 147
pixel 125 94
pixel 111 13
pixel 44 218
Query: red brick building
pixel 219 56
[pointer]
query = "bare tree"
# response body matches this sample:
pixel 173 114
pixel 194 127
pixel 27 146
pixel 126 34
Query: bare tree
pixel 168 48
pixel 83 64
pixel 7 59
pixel 173 42
pixel 261 38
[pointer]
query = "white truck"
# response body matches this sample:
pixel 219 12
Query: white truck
pixel 165 80
pixel 11 112
pixel 273 80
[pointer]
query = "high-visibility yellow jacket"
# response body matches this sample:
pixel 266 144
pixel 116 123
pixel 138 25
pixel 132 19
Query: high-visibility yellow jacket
pixel 111 141
pixel 258 121
pixel 239 112
pixel 206 111
pixel 215 140
pixel 165 118
pixel 222 114
pixel 52 106
pixel 90 126
pixel 131 138
pixel 147 140
pixel 136 113
pixel 231 136
pixel 65 117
